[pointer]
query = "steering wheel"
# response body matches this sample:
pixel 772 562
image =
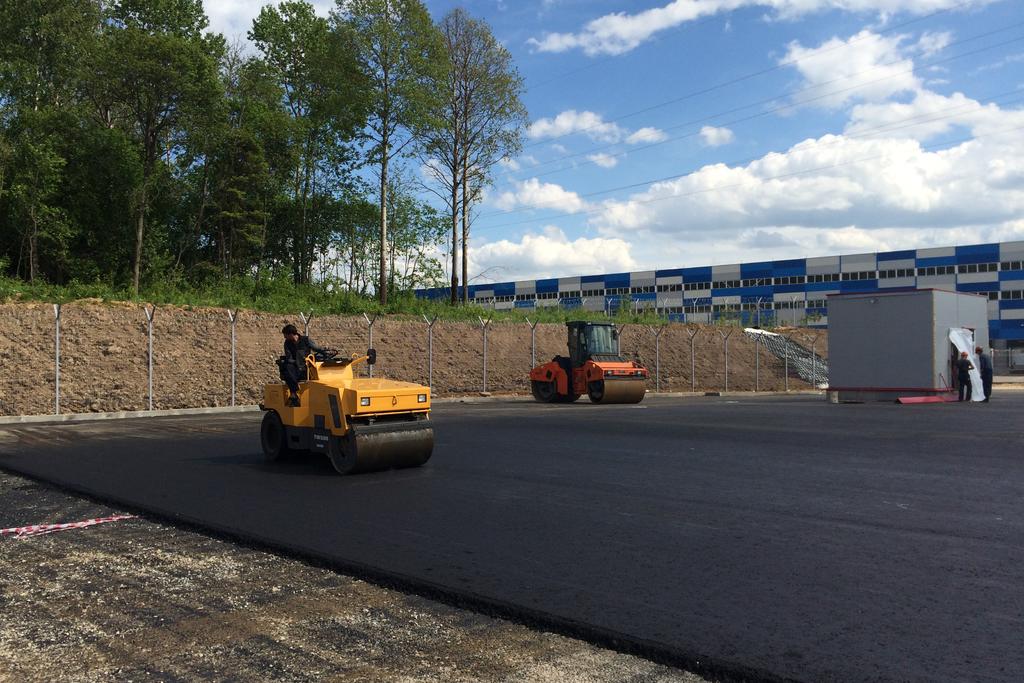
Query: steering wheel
pixel 325 355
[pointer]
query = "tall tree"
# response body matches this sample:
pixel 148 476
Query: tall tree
pixel 42 43
pixel 403 57
pixel 484 120
pixel 155 66
pixel 33 191
pixel 324 97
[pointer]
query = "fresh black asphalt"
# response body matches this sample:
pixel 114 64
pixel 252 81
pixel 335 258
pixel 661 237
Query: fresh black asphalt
pixel 772 537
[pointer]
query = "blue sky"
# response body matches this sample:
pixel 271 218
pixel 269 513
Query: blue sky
pixel 781 128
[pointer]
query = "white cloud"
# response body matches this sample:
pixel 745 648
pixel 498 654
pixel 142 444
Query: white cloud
pixel 837 194
pixel 510 164
pixel 603 160
pixel 932 43
pixel 533 193
pixel 715 137
pixel 572 121
pixel 644 135
pixel 999 64
pixel 930 114
pixel 866 66
pixel 234 18
pixel 551 254
pixel 619 32
pixel 593 126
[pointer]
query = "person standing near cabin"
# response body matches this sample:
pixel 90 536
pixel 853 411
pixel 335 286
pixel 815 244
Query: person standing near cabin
pixel 985 363
pixel 963 375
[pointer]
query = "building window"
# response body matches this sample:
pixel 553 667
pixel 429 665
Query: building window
pixel 936 270
pixel 824 277
pixel 692 286
pixel 1010 265
pixel 895 273
pixel 790 280
pixel 978 267
pixel 725 284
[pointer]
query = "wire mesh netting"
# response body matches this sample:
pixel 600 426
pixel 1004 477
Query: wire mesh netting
pixel 810 367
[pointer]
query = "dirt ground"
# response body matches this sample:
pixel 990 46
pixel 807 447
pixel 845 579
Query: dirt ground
pixel 138 600
pixel 104 358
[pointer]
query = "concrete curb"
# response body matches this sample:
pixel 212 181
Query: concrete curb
pixel 124 414
pixel 88 417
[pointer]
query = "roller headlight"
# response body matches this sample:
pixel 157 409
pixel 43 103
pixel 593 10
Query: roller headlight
pixel 421 398
pixel 365 401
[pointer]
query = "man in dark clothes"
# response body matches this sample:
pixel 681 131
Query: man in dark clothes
pixel 963 375
pixel 985 361
pixel 293 365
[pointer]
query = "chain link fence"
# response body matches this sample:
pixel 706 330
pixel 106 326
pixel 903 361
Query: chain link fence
pixel 453 358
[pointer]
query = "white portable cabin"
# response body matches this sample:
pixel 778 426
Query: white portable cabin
pixel 883 346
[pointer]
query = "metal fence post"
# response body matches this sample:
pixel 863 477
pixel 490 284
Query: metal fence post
pixel 693 359
pixel 814 363
pixel 430 351
pixel 533 342
pixel 757 364
pixel 657 355
pixel 56 359
pixel 785 341
pixel 369 341
pixel 233 317
pixel 483 327
pixel 725 342
pixel 305 322
pixel 150 312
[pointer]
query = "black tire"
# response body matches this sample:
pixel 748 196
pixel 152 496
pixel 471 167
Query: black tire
pixel 342 453
pixel 545 392
pixel 273 437
pixel 595 390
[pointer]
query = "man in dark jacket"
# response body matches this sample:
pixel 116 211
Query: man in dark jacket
pixel 985 367
pixel 963 375
pixel 293 364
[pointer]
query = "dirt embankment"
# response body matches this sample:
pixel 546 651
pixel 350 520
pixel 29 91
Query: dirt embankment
pixel 103 355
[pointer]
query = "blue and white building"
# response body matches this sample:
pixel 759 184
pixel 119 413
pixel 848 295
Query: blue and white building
pixel 793 291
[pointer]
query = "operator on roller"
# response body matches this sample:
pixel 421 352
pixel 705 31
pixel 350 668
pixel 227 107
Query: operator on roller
pixel 293 363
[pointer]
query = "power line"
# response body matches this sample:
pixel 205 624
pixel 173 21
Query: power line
pixel 755 74
pixel 926 148
pixel 712 117
pixel 889 127
pixel 609 58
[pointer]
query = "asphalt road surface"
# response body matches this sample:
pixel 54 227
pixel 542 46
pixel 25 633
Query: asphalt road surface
pixel 763 537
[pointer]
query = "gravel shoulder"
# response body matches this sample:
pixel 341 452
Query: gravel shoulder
pixel 140 600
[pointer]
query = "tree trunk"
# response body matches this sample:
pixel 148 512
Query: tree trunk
pixel 455 242
pixel 140 228
pixel 465 234
pixel 383 293
pixel 33 249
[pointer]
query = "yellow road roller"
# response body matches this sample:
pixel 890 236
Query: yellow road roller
pixel 361 424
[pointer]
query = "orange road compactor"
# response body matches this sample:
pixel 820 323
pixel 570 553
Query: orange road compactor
pixel 593 367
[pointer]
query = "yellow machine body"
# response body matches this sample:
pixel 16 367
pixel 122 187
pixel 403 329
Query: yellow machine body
pixel 362 424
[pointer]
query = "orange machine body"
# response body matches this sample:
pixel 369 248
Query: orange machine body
pixel 593 367
pixel 590 371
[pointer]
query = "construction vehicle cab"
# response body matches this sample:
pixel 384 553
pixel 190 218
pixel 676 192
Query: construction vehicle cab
pixel 361 424
pixel 593 367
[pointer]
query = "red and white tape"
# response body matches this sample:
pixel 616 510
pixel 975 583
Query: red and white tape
pixel 40 529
